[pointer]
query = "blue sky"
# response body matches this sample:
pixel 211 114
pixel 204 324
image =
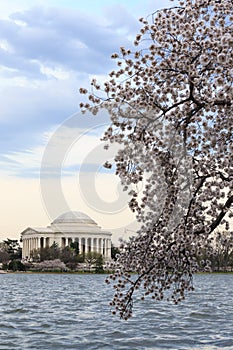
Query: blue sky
pixel 48 50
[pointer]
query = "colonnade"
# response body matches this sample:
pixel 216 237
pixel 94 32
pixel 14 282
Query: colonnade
pixel 85 244
pixel 30 244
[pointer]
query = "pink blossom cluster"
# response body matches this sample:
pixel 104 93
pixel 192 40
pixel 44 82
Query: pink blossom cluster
pixel 170 102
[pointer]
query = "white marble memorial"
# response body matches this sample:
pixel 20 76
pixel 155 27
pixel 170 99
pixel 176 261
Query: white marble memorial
pixel 72 226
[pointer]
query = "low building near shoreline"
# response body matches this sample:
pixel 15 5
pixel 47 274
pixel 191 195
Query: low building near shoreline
pixel 72 226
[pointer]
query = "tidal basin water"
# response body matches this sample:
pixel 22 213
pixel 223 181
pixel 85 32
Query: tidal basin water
pixel 71 312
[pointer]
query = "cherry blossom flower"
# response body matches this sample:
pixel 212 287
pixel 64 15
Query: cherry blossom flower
pixel 170 104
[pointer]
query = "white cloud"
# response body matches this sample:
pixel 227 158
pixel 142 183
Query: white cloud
pixel 63 152
pixel 57 72
pixel 48 51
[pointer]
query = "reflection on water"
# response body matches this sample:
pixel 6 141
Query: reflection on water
pixel 71 312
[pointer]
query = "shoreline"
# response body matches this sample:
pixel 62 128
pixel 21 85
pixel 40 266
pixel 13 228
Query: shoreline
pixel 93 273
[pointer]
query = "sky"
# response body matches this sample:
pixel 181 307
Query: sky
pixel 51 156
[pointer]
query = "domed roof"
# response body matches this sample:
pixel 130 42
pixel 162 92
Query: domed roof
pixel 73 217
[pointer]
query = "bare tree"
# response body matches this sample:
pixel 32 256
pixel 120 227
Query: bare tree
pixel 170 102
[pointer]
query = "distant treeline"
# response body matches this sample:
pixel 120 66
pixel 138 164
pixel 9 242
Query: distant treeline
pixel 219 254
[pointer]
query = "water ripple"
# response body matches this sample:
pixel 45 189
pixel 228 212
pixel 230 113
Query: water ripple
pixel 71 312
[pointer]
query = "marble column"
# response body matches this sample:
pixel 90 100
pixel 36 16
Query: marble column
pixel 109 249
pixel 38 243
pixel 101 246
pixel 104 247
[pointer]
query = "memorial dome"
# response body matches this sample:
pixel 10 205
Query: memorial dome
pixel 73 217
pixel 70 227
